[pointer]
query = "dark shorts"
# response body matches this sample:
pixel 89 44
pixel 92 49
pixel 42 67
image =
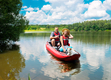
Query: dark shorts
pixel 56 42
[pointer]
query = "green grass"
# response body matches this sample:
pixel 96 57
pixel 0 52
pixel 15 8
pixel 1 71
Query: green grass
pixel 60 29
pixel 29 77
pixel 108 30
pixel 40 30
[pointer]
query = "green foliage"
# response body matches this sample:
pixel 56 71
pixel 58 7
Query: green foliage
pixel 11 22
pixel 98 25
pixel 29 77
pixel 75 28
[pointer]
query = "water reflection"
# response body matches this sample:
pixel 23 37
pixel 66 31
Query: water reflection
pixel 94 57
pixel 93 37
pixel 33 48
pixel 67 66
pixel 59 69
pixel 94 61
pixel 11 63
pixel 107 69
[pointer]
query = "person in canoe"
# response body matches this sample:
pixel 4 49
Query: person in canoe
pixel 64 39
pixel 55 37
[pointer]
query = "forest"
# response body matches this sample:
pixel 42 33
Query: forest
pixel 95 25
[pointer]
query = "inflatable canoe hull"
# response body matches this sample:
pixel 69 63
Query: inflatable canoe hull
pixel 60 55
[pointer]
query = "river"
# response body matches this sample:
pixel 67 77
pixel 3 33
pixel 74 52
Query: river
pixel 30 56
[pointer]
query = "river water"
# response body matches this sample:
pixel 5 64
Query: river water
pixel 30 56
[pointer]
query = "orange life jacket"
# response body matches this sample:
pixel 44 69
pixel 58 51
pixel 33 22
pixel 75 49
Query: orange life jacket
pixel 55 34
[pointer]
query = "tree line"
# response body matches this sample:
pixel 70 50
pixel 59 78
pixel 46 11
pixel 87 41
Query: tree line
pixel 12 23
pixel 95 25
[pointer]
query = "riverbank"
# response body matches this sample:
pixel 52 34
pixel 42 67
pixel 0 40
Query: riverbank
pixel 36 31
pixel 48 31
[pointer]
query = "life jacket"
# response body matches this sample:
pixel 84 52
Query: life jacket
pixel 65 41
pixel 55 34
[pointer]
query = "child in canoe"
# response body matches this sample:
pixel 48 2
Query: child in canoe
pixel 65 46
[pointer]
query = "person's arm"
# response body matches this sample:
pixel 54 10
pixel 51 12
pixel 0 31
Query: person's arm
pixel 61 39
pixel 70 37
pixel 52 36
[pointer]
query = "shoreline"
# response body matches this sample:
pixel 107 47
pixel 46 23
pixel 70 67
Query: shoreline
pixel 46 31
pixel 30 31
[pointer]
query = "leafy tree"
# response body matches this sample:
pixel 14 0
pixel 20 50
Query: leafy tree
pixel 38 27
pixel 47 26
pixel 96 25
pixel 75 28
pixel 87 28
pixel 107 26
pixel 11 22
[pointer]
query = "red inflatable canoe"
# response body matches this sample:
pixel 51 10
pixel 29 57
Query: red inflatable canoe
pixel 60 55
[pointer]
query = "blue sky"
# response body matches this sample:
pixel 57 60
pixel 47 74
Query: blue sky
pixel 65 11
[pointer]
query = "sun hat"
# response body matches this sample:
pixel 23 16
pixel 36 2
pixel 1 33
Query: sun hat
pixel 65 29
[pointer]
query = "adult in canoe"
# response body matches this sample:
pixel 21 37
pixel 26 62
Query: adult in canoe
pixel 55 37
pixel 65 40
pixel 64 56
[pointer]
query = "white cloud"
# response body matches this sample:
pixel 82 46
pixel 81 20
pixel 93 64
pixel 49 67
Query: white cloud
pixel 24 6
pixel 36 8
pixel 29 9
pixel 71 2
pixel 107 4
pixel 95 9
pixel 36 17
pixel 68 12
pixel 58 12
pixel 46 7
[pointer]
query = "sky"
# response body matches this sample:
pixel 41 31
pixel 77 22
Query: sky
pixel 65 11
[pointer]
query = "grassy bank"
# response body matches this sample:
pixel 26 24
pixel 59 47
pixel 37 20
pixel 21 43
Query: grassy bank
pixel 108 30
pixel 46 30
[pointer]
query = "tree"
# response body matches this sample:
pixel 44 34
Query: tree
pixel 96 25
pixel 107 26
pixel 75 28
pixel 87 28
pixel 11 22
pixel 38 27
pixel 48 26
